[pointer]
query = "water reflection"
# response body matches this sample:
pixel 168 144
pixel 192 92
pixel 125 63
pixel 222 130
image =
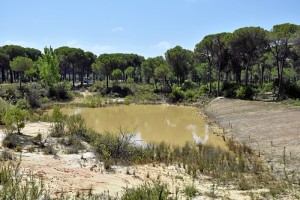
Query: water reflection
pixel 151 123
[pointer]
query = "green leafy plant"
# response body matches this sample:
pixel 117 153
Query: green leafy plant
pixel 15 119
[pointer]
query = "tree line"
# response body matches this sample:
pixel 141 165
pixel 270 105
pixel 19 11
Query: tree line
pixel 248 56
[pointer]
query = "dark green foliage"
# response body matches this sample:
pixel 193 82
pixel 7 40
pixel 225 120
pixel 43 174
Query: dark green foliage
pixel 229 89
pixel 292 90
pixel 177 95
pixel 117 91
pixel 246 93
pixel 60 91
pixel 188 85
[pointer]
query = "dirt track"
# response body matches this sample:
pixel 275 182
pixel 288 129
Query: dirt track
pixel 265 126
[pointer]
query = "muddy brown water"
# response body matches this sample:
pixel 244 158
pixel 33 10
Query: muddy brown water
pixel 151 123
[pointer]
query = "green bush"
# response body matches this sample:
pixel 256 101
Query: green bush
pixel 190 191
pixel 292 89
pixel 60 91
pixel 58 128
pixel 94 101
pixel 76 126
pixel 245 93
pixel 147 191
pixel 11 93
pixel 229 89
pixel 16 186
pixel 35 94
pixel 191 95
pixel 15 119
pixel 188 85
pixel 23 104
pixel 177 95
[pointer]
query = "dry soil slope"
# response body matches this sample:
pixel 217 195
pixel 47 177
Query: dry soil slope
pixel 267 127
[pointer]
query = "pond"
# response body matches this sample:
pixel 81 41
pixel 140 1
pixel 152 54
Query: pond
pixel 151 123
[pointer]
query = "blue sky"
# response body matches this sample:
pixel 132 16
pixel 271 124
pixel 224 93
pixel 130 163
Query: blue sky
pixel 145 27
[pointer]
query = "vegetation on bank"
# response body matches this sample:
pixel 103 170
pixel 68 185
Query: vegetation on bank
pixel 237 164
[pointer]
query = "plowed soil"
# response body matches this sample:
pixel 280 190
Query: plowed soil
pixel 272 129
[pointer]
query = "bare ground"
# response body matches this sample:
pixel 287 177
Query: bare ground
pixel 270 128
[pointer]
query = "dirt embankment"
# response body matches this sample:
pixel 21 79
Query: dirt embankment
pixel 270 128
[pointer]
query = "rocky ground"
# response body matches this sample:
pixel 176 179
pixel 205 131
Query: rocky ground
pixel 272 129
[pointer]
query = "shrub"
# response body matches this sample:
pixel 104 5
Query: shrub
pixel 177 95
pixel 18 148
pixel 73 143
pixel 191 95
pixel 35 94
pixel 229 89
pixel 60 91
pixel 246 93
pixel 11 93
pixel 292 90
pixel 11 141
pixel 11 187
pixel 190 191
pixel 50 150
pixel 76 126
pixel 117 91
pixel 147 191
pixel 94 101
pixel 188 85
pixel 6 155
pixel 15 118
pixel 58 128
pixel 23 104
pixel 3 108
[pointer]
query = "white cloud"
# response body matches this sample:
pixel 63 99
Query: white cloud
pixel 118 29
pixel 162 45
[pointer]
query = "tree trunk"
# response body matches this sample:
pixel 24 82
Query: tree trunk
pixel 210 80
pixel 219 77
pixel 65 73
pixel 11 76
pixel 3 74
pixel 262 75
pixel 107 76
pixel 81 76
pixel 280 81
pixel 73 73
pixel 247 75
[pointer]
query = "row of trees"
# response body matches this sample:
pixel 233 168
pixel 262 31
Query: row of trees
pixel 248 55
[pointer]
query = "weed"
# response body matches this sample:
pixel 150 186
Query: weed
pixel 190 191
